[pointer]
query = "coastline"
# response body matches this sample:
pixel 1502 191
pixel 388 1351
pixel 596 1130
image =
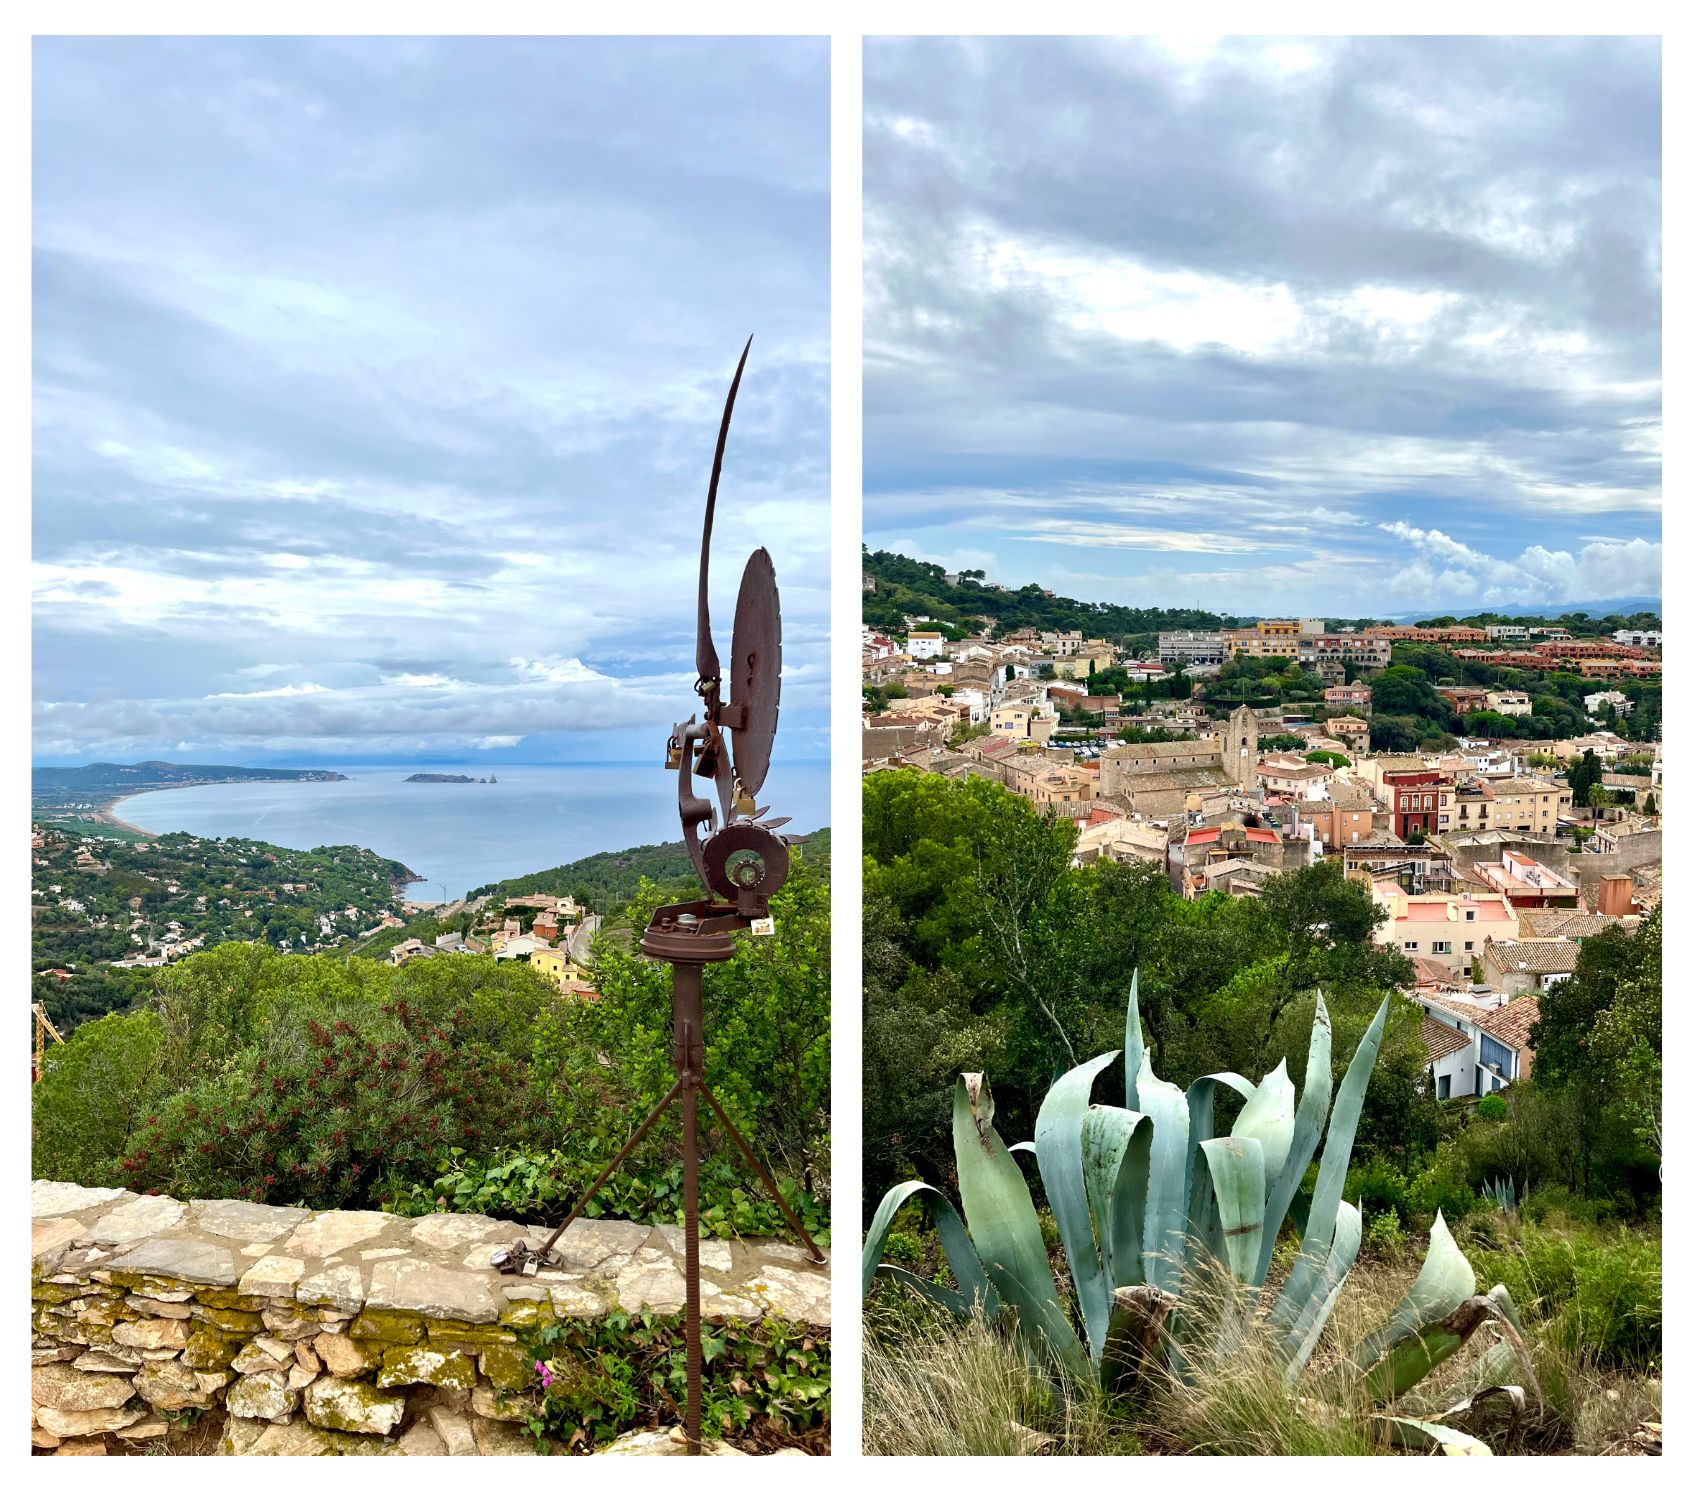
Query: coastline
pixel 446 841
pixel 106 813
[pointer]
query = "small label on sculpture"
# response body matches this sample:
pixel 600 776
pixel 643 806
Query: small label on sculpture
pixel 763 926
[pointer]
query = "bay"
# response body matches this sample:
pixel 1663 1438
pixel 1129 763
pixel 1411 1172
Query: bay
pixel 458 837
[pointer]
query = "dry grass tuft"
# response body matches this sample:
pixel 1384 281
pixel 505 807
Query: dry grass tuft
pixel 1226 1390
pixel 938 1385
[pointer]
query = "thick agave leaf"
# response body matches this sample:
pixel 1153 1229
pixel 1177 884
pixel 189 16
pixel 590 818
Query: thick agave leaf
pixel 1500 1297
pixel 1493 1410
pixel 1331 1176
pixel 1420 1433
pixel 1040 1318
pixel 1059 1151
pixel 1414 1357
pixel 1134 1046
pixel 1166 1192
pixel 1510 1359
pixel 1431 1322
pixel 973 1287
pixel 1443 1282
pixel 1236 1178
pixel 1117 1153
pixel 1002 1220
pixel 1268 1117
pixel 1201 1125
pixel 1308 1126
pixel 1308 1328
pixel 948 1298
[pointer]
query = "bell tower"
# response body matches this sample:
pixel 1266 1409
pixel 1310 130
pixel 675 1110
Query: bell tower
pixel 1240 746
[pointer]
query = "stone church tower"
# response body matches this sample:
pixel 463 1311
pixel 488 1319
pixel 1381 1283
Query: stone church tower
pixel 1240 747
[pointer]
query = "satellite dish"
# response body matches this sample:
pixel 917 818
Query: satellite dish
pixel 755 672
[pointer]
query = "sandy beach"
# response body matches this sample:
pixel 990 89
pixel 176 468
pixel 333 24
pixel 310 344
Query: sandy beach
pixel 106 813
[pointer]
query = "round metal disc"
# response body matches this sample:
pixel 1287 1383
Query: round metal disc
pixel 755 671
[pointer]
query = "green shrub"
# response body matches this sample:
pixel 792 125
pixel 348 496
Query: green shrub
pixel 1444 1185
pixel 597 1379
pixel 1599 1294
pixel 1553 1203
pixel 1377 1185
pixel 1383 1234
pixel 338 1112
pixel 94 1092
pixel 903 1249
pixel 539 1186
pixel 1492 1107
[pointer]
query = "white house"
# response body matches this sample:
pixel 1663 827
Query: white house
pixel 1510 702
pixel 1597 702
pixel 1477 1043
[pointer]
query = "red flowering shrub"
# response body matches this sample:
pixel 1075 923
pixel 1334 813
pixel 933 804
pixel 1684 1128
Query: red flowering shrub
pixel 336 1109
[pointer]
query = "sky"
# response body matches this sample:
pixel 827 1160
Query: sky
pixel 376 383
pixel 1364 326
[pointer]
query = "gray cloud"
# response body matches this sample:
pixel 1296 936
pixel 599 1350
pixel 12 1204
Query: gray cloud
pixel 1374 276
pixel 362 358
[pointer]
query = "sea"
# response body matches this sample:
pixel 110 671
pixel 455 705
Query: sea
pixel 458 837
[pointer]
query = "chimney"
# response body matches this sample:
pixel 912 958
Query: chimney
pixel 1616 895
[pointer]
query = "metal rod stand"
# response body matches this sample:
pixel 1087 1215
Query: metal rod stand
pixel 688 1057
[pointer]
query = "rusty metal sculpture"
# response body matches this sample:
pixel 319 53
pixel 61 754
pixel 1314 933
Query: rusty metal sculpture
pixel 740 859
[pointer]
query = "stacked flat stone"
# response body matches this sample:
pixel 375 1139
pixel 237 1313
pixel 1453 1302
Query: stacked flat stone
pixel 336 1332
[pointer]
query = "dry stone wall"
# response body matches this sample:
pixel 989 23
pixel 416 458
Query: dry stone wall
pixel 334 1332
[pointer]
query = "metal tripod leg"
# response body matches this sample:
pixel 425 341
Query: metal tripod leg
pixel 763 1174
pixel 606 1173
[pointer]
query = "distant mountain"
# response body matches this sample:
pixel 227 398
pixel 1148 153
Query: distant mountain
pixel 104 779
pixel 1629 605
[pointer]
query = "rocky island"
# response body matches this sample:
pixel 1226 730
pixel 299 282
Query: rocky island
pixel 452 780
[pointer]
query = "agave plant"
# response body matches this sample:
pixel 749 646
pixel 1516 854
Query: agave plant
pixel 1502 1193
pixel 1143 1191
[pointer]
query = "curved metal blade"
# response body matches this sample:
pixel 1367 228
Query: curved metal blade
pixel 705 654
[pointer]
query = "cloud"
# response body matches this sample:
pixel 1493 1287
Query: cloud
pixel 1600 570
pixel 1260 293
pixel 363 365
pixel 287 690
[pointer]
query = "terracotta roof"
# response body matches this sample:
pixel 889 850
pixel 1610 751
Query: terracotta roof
pixel 1169 747
pixel 1553 922
pixel 1430 971
pixel 1456 1007
pixel 1536 957
pixel 1512 1024
pixel 1441 1040
pixel 1204 835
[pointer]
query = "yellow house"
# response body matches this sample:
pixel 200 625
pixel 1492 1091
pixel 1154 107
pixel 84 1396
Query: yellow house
pixel 555 965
